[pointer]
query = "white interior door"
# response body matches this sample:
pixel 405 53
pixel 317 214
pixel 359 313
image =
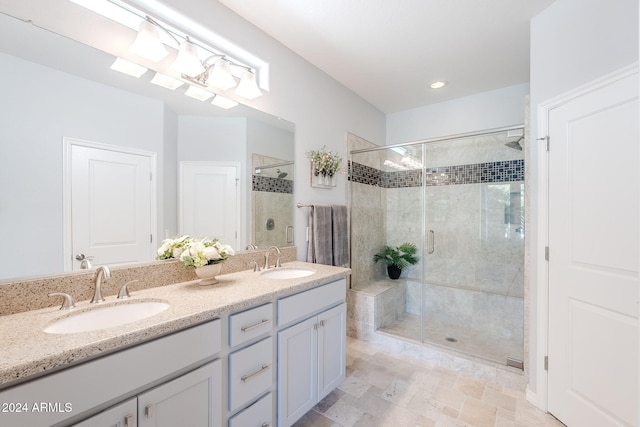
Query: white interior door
pixel 111 193
pixel 593 257
pixel 209 201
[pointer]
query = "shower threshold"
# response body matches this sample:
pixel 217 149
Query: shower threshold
pixel 460 340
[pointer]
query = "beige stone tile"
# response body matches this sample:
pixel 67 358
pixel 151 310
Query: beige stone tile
pixel 368 420
pixel 355 384
pixel 449 396
pixel 423 403
pixel 314 419
pixel 398 416
pixel 371 403
pixel 343 414
pixel 478 413
pixel 500 400
pixel 329 400
pixel 399 392
pixel 470 387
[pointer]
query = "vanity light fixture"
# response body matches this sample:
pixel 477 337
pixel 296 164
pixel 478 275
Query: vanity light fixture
pixel 166 81
pixel 438 84
pixel 220 75
pixel 147 43
pixel 187 61
pixel 222 102
pixel 157 37
pixel 248 87
pixel 129 68
pixel 198 93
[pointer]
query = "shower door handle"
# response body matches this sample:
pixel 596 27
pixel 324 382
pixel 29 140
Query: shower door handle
pixel 431 242
pixel 289 233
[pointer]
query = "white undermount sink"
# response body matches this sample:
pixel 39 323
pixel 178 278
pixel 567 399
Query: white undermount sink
pixel 286 273
pixel 105 317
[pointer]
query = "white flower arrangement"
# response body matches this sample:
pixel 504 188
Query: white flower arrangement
pixel 195 253
pixel 324 162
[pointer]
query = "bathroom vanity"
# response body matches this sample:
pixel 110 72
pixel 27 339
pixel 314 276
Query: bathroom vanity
pixel 252 350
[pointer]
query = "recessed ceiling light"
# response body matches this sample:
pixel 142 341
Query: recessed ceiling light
pixel 438 85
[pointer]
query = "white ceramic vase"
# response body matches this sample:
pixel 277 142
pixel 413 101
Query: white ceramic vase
pixel 208 273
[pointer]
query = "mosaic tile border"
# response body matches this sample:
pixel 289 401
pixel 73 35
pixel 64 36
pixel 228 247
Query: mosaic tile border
pixel 490 172
pixel 272 185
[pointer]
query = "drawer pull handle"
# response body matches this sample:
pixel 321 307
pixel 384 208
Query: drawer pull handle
pixel 246 378
pixel 149 411
pixel 129 421
pixel 256 325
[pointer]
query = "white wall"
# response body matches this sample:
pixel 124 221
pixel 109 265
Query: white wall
pixel 486 110
pixel 39 106
pixel 572 43
pixel 322 109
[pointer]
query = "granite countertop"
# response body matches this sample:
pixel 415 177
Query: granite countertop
pixel 28 351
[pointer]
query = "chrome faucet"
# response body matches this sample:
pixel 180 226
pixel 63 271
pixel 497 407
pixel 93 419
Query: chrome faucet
pixel 266 257
pixel 102 273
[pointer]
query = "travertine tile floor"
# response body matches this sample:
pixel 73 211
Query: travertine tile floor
pixel 386 389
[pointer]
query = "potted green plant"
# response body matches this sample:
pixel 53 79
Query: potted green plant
pixel 397 258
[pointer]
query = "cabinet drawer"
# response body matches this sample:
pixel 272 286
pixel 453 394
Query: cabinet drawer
pixel 309 302
pixel 251 373
pixel 250 324
pixel 257 415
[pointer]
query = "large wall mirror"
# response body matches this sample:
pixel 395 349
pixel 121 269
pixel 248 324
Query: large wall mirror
pixel 55 88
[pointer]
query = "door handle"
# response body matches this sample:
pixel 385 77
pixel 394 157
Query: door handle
pixel 431 242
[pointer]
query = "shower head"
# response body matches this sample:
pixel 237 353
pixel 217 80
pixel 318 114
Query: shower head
pixel 515 144
pixel 281 174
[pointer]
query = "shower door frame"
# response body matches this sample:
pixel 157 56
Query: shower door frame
pixel 424 236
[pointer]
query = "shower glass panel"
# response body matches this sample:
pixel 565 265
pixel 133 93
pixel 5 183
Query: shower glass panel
pixel 461 201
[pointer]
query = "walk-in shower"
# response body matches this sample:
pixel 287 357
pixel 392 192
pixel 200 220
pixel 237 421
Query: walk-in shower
pixel 461 201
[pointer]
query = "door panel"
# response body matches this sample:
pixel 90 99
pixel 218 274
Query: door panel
pixel 593 257
pixel 209 201
pixel 111 205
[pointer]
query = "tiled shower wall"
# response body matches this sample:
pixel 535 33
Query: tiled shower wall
pixel 473 202
pixel 271 198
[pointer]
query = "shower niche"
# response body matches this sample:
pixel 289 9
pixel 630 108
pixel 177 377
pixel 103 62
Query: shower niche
pixel 461 201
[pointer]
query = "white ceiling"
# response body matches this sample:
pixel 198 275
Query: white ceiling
pixel 389 51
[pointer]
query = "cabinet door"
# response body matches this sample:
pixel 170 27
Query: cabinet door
pixel 192 400
pixel 332 339
pixel 124 414
pixel 297 371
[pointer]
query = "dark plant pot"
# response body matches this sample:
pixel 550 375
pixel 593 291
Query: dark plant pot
pixel 393 272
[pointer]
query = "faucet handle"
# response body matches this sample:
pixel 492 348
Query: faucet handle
pixel 68 302
pixel 256 266
pixel 124 291
pixel 278 262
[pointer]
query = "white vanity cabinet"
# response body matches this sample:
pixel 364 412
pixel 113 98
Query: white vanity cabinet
pixel 312 351
pixel 163 373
